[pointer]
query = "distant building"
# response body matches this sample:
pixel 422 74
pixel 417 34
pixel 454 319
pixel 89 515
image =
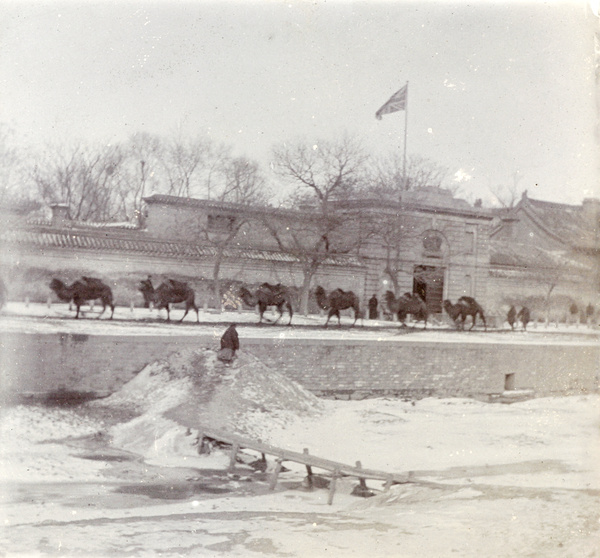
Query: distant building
pixel 539 248
pixel 426 242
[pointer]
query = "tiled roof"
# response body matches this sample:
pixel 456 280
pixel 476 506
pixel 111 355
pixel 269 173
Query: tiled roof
pixel 87 240
pixel 513 254
pixel 44 222
pixel 565 222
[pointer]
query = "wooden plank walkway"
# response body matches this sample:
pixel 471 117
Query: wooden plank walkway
pixel 336 468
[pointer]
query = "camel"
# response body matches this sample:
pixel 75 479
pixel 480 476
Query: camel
pixel 80 292
pixel 268 295
pixel 408 303
pixel 337 300
pixel 466 306
pixel 169 292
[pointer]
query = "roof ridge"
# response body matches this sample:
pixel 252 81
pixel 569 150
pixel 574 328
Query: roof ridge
pixel 557 205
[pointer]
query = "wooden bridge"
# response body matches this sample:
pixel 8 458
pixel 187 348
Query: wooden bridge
pixel 336 469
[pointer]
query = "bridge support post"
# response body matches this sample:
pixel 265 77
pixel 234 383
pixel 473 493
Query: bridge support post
pixel 334 478
pixel 276 472
pixel 361 481
pixel 234 450
pixel 309 473
pixel 388 483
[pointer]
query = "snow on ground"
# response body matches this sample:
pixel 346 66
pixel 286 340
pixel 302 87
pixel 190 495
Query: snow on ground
pixel 39 318
pixel 489 480
pixel 122 476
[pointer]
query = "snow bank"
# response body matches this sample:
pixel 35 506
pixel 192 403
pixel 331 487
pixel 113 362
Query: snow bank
pixel 191 389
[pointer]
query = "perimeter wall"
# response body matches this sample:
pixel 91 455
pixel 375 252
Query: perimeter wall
pixel 37 364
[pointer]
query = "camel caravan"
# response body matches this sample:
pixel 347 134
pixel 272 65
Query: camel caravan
pixel 279 297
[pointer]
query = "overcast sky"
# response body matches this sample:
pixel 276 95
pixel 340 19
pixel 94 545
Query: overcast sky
pixel 494 88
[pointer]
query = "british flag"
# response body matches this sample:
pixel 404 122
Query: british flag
pixel 395 103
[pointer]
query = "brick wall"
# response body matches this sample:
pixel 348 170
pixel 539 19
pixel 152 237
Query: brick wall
pixel 42 363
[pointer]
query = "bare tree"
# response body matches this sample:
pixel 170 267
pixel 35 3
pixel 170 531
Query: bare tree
pixel 390 182
pixel 9 162
pixel 243 182
pixel 244 187
pixel 84 178
pixel 508 195
pixel 144 172
pixel 389 177
pixel 16 192
pixel 191 166
pixel 394 233
pixel 551 269
pixel 322 175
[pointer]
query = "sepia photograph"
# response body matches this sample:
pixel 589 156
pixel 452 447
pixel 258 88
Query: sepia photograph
pixel 300 279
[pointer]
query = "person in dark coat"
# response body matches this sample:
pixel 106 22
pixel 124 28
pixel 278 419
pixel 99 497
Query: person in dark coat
pixel 511 317
pixel 230 343
pixel 525 316
pixel 590 311
pixel 373 302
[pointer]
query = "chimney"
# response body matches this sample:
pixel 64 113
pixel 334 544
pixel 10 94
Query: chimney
pixel 60 215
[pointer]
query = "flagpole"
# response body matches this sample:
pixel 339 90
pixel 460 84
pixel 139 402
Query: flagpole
pixel 405 135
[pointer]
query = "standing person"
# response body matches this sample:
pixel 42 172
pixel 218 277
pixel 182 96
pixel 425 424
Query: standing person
pixel 373 302
pixel 525 316
pixel 511 317
pixel 230 343
pixel 589 312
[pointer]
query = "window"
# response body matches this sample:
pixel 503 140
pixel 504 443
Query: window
pixel 220 223
pixel 469 242
pixel 432 244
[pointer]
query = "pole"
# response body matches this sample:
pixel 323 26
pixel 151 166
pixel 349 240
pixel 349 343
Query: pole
pixel 143 180
pixel 405 135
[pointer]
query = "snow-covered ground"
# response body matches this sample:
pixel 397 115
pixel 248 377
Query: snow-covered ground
pixel 123 477
pixel 39 318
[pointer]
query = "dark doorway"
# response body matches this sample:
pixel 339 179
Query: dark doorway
pixel 428 283
pixel 509 382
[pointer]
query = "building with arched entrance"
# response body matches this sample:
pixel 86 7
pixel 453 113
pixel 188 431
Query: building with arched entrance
pixel 426 242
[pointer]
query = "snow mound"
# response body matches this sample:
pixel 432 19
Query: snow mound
pixel 192 390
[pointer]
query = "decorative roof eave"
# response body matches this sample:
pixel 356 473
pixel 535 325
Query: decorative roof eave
pixel 83 225
pixel 79 240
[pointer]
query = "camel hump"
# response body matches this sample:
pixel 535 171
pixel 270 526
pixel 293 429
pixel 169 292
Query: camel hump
pixel 93 282
pixel 467 299
pixel 179 286
pixel 275 289
pixel 343 292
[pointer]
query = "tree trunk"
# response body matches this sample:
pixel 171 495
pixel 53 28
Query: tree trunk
pixel 307 278
pixel 393 275
pixel 547 304
pixel 216 279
